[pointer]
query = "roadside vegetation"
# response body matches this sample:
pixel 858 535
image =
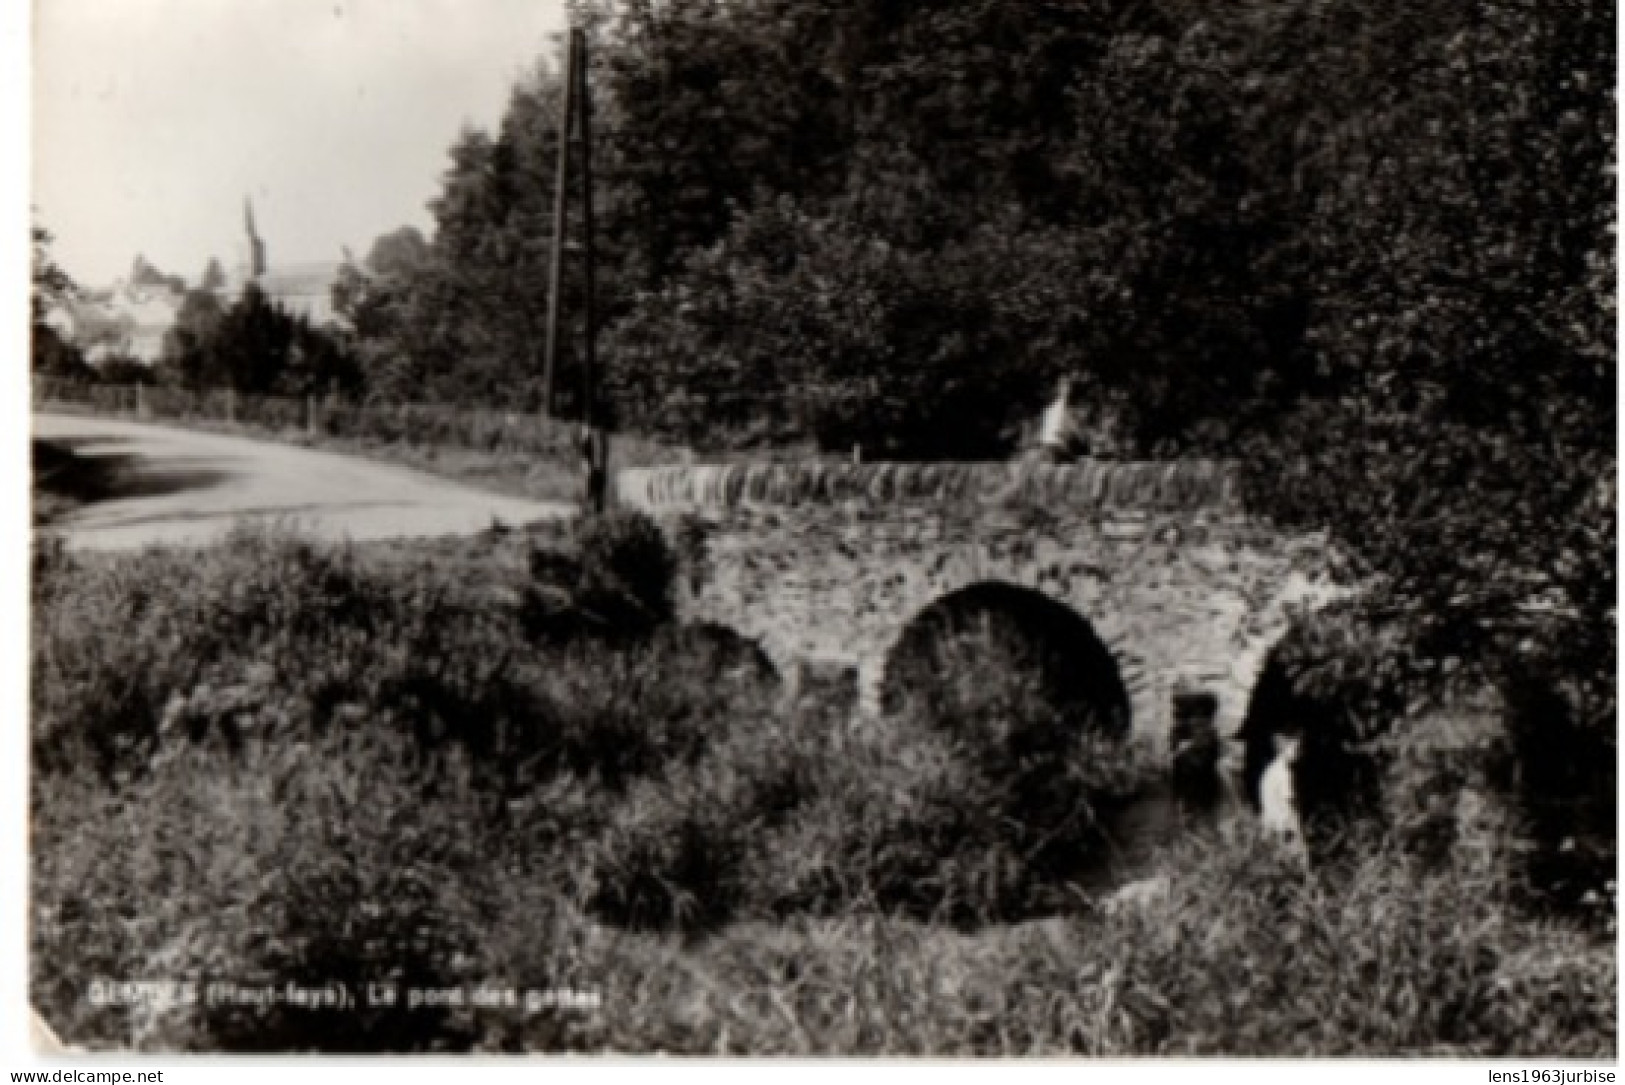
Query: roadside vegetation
pixel 289 762
pixel 1364 251
pixel 521 454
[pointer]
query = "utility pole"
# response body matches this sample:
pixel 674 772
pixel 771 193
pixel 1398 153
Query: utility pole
pixel 561 197
pixel 589 387
pixel 596 438
pixel 577 119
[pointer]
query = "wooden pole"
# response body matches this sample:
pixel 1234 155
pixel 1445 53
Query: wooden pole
pixel 597 467
pixel 561 190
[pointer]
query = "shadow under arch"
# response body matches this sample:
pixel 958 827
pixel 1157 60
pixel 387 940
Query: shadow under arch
pixel 956 647
pixel 726 654
pixel 1332 780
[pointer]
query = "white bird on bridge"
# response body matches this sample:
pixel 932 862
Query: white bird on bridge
pixel 1060 434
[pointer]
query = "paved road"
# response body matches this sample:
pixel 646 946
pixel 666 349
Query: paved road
pixel 167 485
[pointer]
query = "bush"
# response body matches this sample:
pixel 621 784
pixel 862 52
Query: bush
pixel 909 819
pixel 671 856
pixel 639 709
pixel 277 761
pixel 273 865
pixel 1245 955
pixel 616 584
pixel 1371 751
pixel 268 633
pixel 1372 955
pixel 778 814
pixel 627 570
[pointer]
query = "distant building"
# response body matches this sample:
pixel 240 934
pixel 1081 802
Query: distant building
pixel 130 320
pixel 304 289
pixel 124 320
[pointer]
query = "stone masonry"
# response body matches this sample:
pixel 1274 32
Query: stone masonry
pixel 829 563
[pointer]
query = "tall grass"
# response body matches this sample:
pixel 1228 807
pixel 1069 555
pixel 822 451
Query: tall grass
pixel 281 761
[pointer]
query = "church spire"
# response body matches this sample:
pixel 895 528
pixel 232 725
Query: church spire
pixel 256 247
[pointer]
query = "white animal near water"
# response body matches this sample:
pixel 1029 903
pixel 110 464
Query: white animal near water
pixel 1277 797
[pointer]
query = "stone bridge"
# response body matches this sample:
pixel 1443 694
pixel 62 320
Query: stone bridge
pixel 831 563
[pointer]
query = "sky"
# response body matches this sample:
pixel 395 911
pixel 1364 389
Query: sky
pixel 153 120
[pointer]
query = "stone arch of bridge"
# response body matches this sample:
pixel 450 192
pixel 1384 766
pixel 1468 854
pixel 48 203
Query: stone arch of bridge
pixel 1330 776
pixel 1073 661
pixel 734 655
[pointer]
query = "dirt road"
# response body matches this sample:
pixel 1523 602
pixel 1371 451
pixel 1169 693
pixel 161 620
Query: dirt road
pixel 175 486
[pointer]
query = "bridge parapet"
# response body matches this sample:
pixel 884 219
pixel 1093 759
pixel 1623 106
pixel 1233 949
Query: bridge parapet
pixel 831 563
pixel 1174 486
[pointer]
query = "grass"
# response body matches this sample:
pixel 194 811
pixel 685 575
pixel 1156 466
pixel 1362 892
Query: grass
pixel 442 769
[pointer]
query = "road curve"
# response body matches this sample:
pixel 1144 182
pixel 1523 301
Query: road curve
pixel 183 487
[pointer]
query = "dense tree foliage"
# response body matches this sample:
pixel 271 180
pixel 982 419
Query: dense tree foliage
pixel 369 299
pixel 213 278
pixel 50 288
pixel 144 274
pixel 254 346
pixel 1366 250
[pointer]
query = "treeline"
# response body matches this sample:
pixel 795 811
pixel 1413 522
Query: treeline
pixel 249 343
pixel 896 224
pixel 255 345
pixel 1365 249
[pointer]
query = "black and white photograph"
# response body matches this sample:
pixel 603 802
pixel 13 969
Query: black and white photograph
pixel 871 529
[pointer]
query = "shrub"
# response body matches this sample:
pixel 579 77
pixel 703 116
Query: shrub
pixel 638 709
pixel 626 570
pixel 273 635
pixel 1244 956
pixel 989 786
pixel 282 863
pixel 268 633
pixel 1372 955
pixel 377 778
pixel 746 811
pixel 888 825
pixel 613 584
pixel 910 820
pixel 671 855
pixel 1372 750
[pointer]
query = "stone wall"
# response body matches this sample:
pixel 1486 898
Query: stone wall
pixel 829 564
pixel 1171 486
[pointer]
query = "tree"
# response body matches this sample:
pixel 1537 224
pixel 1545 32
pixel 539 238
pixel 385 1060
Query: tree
pixel 213 278
pixel 187 358
pixel 51 290
pixel 144 274
pixel 1460 313
pixel 369 299
pixel 51 287
pixel 1367 250
pixel 257 347
pixel 470 320
pixel 397 254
